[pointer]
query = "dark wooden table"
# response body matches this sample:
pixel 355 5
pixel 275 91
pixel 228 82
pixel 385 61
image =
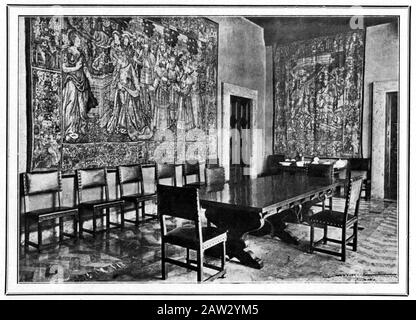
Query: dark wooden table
pixel 243 206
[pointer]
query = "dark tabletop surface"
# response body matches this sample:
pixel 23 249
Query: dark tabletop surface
pixel 264 193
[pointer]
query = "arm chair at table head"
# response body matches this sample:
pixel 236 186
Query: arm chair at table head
pixel 130 176
pixel 273 163
pixel 183 203
pixel 166 171
pixel 95 181
pixel 321 170
pixel 339 219
pixel 191 168
pixel 44 183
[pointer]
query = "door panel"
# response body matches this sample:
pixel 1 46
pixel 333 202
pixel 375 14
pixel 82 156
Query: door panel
pixel 240 141
pixel 390 176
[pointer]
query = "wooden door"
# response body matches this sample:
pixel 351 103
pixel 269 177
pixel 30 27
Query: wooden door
pixel 390 174
pixel 240 141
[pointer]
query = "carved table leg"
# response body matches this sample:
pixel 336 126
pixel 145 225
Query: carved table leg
pixel 239 224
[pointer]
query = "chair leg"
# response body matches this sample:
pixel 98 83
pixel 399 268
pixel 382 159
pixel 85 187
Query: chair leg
pixel 81 226
pixel 136 207
pixel 200 264
pixel 61 229
pixel 344 244
pixel 163 253
pixel 39 236
pixel 122 215
pixel 355 239
pixel 367 191
pixel 143 209
pixel 223 253
pixel 325 234
pixel 94 223
pixel 187 256
pixel 107 219
pixel 75 228
pixel 27 235
pixel 312 239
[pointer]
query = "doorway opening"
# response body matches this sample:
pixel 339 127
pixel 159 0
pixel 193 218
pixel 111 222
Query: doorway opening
pixel 390 172
pixel 240 137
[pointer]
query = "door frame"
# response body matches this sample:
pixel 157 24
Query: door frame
pixel 378 136
pixel 229 90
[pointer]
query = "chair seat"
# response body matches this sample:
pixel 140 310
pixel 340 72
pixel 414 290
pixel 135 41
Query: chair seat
pixel 138 197
pixel 101 203
pixel 51 213
pixel 186 237
pixel 334 218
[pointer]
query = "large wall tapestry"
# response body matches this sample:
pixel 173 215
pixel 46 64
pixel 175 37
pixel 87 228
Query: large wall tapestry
pixel 107 91
pixel 318 96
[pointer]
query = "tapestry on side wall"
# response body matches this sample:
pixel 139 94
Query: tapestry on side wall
pixel 106 91
pixel 318 96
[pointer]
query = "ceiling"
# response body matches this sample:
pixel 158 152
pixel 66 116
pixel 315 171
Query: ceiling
pixel 288 29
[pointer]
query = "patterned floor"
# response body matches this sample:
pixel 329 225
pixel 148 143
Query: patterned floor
pixel 134 255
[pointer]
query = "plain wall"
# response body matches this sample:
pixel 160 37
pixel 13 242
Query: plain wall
pixel 242 62
pixel 381 64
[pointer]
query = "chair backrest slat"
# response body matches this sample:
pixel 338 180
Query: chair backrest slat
pixel 352 202
pixel 179 202
pixel 36 183
pixel 129 174
pixel 92 178
pixel 166 171
pixel 215 175
pixel 42 182
pixel 191 168
pixel 354 191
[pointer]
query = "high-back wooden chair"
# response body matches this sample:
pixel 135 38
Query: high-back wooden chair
pixel 96 181
pixel 321 170
pixel 362 167
pixel 130 176
pixel 191 168
pixel 343 220
pixel 215 175
pixel 183 203
pixel 44 183
pixel 166 171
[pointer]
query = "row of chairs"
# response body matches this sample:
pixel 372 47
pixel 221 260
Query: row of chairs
pixel 93 199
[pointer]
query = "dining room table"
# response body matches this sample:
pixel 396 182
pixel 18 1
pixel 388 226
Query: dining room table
pixel 244 205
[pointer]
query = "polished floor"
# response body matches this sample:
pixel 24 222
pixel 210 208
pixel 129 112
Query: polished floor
pixel 133 254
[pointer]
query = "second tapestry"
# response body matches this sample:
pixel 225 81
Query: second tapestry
pixel 318 96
